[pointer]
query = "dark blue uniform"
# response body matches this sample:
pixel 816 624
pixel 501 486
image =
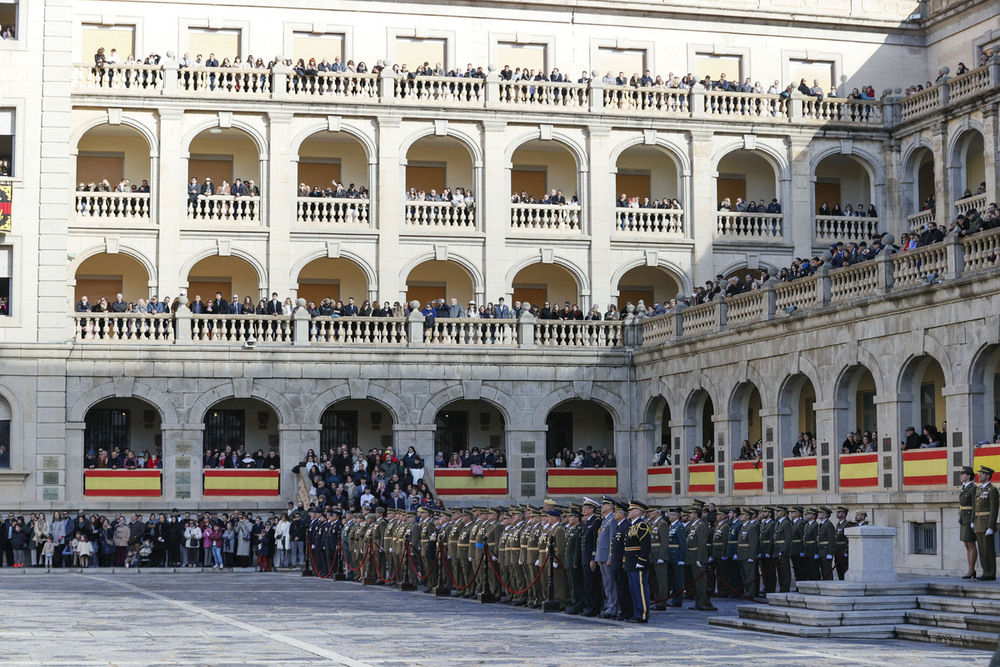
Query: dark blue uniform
pixel 676 551
pixel 618 568
pixel 591 579
pixel 638 540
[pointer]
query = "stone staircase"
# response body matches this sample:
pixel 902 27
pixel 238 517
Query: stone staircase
pixel 958 614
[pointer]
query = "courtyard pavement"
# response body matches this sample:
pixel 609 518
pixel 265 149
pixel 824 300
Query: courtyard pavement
pixel 146 618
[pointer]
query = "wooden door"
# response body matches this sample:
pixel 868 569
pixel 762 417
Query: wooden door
pixel 426 177
pixel 827 192
pixel 530 181
pixel 106 286
pixel 634 294
pixel 533 295
pixel 94 169
pixel 732 188
pixel 318 174
pixel 207 287
pixel 317 291
pixel 633 185
pixel 217 170
pixel 425 293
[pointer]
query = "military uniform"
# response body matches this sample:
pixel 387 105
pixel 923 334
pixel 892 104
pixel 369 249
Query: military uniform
pixel 747 550
pixel 697 559
pixel 557 538
pixel 574 563
pixel 781 551
pixel 718 557
pixel 797 547
pixel 840 552
pixel 592 587
pixel 676 558
pixel 985 523
pixel 966 518
pixel 618 565
pixel 811 557
pixel 825 541
pixel 659 561
pixel 637 545
pixel 768 577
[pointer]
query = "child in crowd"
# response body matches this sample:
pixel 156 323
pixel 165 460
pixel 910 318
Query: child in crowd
pixel 48 550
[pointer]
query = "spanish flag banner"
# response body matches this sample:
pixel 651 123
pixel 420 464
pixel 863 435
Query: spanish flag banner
pixel 582 481
pixel 925 467
pixel 241 482
pixel 701 478
pixel 660 479
pixel 989 456
pixel 122 483
pixel 6 202
pixel 858 471
pixel 748 476
pixel 800 473
pixel 460 482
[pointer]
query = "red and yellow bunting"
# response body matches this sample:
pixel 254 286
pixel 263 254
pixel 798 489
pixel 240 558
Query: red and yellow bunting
pixel 460 482
pixel 989 456
pixel 660 479
pixel 582 481
pixel 122 483
pixel 241 482
pixel 858 471
pixel 748 476
pixel 800 473
pixel 925 467
pixel 701 478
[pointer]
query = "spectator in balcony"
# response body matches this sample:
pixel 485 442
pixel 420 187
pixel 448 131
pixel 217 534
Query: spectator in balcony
pixel 910 439
pixel 872 213
pixel 724 205
pixel 930 437
pixel 774 207
pixel 697 456
pixel 816 90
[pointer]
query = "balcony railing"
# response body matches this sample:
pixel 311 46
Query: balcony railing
pixel 918 104
pixel 834 110
pixel 240 328
pixel 845 228
pixel 471 331
pixel 971 83
pixel 327 211
pixel 740 105
pixel 651 221
pixel 122 79
pixel 439 215
pixel 225 82
pixel 588 333
pixel 341 86
pixel 224 208
pixel 448 90
pixel 123 327
pixel 92 207
pixel 655 101
pixel 358 330
pixel 545 94
pixel 977 202
pixel 741 226
pixel 918 220
pixel 547 217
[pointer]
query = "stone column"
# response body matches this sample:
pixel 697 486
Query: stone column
pixel 600 200
pixel 960 441
pixel 828 447
pixel 942 185
pixel 991 154
pixel 726 451
pixel 890 462
pixel 171 201
pixel 280 204
pixel 892 215
pixel 700 210
pixel 526 467
pixel 645 445
pixel 388 202
pixel 293 442
pixel 774 476
pixel 182 452
pixel 421 438
pixel 629 458
pixel 677 460
pixel 494 210
pixel 795 195
pixel 70 478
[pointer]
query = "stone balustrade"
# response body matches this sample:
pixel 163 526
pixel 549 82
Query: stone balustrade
pixel 546 217
pixel 966 204
pixel 472 331
pixel 851 282
pixel 652 221
pixel 224 208
pixel 918 220
pixel 911 267
pixel 332 211
pixel 980 251
pixel 588 333
pixel 844 228
pixel 387 88
pixel 742 226
pixel 113 206
pixel 439 215
pixel 123 327
pixel 746 308
pixel 239 328
pixel 358 330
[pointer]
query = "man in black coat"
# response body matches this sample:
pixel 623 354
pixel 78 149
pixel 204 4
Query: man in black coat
pixel 618 562
pixel 588 551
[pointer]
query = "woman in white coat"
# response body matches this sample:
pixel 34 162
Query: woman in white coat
pixel 282 541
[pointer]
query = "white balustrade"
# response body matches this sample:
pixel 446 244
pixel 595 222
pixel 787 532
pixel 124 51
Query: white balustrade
pixel 122 79
pixel 836 110
pixel 980 251
pixel 228 328
pixel 118 206
pixel 971 83
pixel 718 103
pixel 224 208
pixel 658 330
pixel 545 93
pixel 586 333
pixel 549 217
pixel 854 281
pixel 977 202
pixel 749 226
pixel 332 211
pixel 439 214
pixel 123 327
pixel 700 319
pixel 654 221
pixel 339 85
pixel 801 293
pixel 911 266
pixel 845 228
pixel 745 308
pixel 918 220
pixel 654 101
pixel 358 330
pixel 920 103
pixel 449 90
pixel 472 331
pixel 224 82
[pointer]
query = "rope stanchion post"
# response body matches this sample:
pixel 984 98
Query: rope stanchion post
pixel 551 604
pixel 406 584
pixel 441 590
pixel 485 595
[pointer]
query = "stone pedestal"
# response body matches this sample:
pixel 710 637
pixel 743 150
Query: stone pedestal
pixel 871 549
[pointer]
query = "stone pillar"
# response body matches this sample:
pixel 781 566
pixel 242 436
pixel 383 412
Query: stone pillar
pixel 280 203
pixel 526 330
pixel 942 189
pixel 70 478
pixel 685 435
pixel 890 460
pixel 415 326
pixel 601 201
pixel 872 555
pixel 960 441
pixel 526 467
pixel 628 458
pixel 421 438
pixel 795 195
pixel 182 451
pixel 892 215
pixel 494 210
pixel 387 200
pixel 726 451
pixel 300 324
pixel 991 154
pixel 293 442
pixel 171 201
pixel 828 447
pixel 773 454
pixel 700 210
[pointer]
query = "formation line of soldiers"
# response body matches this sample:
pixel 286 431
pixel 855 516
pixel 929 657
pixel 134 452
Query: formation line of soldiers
pixel 608 558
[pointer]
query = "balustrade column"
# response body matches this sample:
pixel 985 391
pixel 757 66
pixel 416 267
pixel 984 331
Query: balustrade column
pixel 601 221
pixel 280 202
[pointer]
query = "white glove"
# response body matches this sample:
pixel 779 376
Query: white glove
pixel 659 561
pixel 710 559
pixel 555 565
pixel 536 563
pixel 494 559
pixel 697 563
pixel 640 567
pixel 816 557
pixel 749 560
pixel 989 531
pixel 802 554
pixel 680 562
pixel 829 557
pixel 390 549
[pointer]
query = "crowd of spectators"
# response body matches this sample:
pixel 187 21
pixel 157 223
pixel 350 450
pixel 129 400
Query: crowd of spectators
pixel 457 197
pixel 334 190
pixel 348 479
pixel 7 32
pixel 238 188
pixel 478 460
pixel 583 458
pixel 230 458
pixel 554 197
pixel 625 201
pixel 749 206
pixel 704 454
pixel 928 437
pixel 848 211
pixel 206 539
pixel 4 167
pixel 121 459
pixel 124 185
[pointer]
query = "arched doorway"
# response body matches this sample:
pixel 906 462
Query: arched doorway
pixel 361 423
pixel 335 278
pixel 855 405
pixel 109 157
pixel 699 413
pixel 746 176
pixel 648 177
pixel 968 172
pixel 744 418
pixel 796 412
pixel 921 396
pixel 117 426
pixel 438 169
pixel 107 275
pixel 649 284
pixel 231 276
pixel 440 279
pixel 539 284
pixel 219 159
pixel 577 425
pixel 239 426
pixel 843 185
pixel 333 180
pixel 470 425
pixel 544 185
pixel 918 188
pixel 659 446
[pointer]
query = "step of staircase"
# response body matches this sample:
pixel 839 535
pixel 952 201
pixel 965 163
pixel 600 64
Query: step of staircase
pixel 812 617
pixel 771 627
pixel 960 605
pixel 958 621
pixel 975 589
pixel 949 636
pixel 841 602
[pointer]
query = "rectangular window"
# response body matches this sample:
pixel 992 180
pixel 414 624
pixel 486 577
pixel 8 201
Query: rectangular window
pixel 525 56
pixel 927 406
pixel 6 281
pixel 414 52
pixel 223 43
pixel 820 71
pixel 7 119
pixel 107 429
pixel 4 443
pixel 306 45
pixel 8 19
pixel 624 61
pixel 225 428
pixel 452 432
pixel 117 38
pixel 714 66
pixel 924 538
pixel 559 435
pixel 339 427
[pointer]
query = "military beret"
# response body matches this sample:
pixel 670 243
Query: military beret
pixel 554 512
pixel 636 505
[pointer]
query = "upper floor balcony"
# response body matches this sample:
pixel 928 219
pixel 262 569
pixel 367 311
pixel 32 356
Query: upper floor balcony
pixel 386 88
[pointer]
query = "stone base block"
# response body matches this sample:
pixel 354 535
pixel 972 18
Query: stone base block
pixel 770 627
pixel 938 635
